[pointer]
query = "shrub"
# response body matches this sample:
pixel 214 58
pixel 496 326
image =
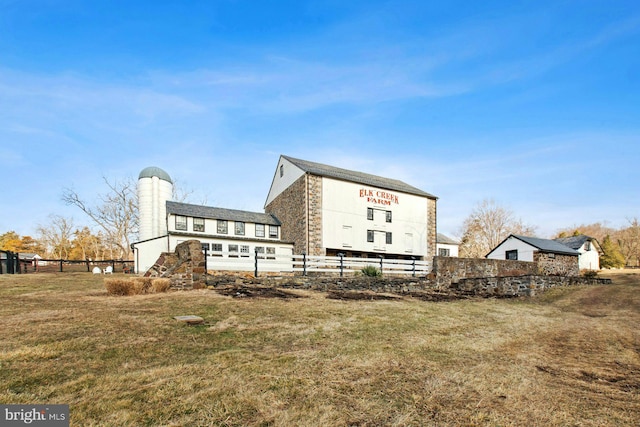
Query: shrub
pixel 589 274
pixel 122 286
pixel 371 271
pixel 136 286
pixel 160 285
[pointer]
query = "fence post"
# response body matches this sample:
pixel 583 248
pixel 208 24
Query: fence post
pixel 205 263
pixel 255 274
pixel 414 266
pixel 304 263
pixel 381 258
pixel 60 265
pixel 341 255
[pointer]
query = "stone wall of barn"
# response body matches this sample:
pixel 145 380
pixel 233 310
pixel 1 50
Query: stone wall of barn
pixel 290 208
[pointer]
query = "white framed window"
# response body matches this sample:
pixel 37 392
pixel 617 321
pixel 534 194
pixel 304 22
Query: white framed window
pixel 271 253
pixel 233 251
pixel 244 250
pixel 370 236
pixel 198 224
pixel 388 238
pixel 370 214
pixel 181 222
pixel 387 216
pixel 444 252
pixel 259 230
pixel 512 255
pixel 223 226
pixel 239 228
pixel 273 231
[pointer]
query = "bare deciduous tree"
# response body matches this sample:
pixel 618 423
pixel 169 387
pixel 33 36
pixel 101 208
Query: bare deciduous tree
pixel 629 242
pixel 487 226
pixel 117 216
pixel 56 236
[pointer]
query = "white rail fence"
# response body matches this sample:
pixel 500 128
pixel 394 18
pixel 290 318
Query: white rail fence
pixel 259 262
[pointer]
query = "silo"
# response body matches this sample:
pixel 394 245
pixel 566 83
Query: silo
pixel 154 189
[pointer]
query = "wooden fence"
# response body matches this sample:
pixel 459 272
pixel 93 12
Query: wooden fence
pixel 306 264
pixel 13 263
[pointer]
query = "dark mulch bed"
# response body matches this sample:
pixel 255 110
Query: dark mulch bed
pixel 356 295
pixel 242 291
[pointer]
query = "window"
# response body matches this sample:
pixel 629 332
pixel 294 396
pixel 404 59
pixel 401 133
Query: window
pixel 222 226
pixel 216 247
pixel 244 250
pixel 259 230
pixel 587 246
pixel 233 251
pixel 388 238
pixel 281 171
pixel 181 222
pixel 513 255
pixel 271 253
pixel 239 228
pixel 370 214
pixel 260 251
pixel 205 246
pixel 388 216
pixel 273 231
pixel 198 224
pixel 369 235
pixel 444 252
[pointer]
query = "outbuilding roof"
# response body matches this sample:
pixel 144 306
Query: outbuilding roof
pixel 547 245
pixel 357 177
pixel 574 242
pixel 199 211
pixel 543 245
pixel 441 238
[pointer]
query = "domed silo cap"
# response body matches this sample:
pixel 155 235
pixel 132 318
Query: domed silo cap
pixel 152 171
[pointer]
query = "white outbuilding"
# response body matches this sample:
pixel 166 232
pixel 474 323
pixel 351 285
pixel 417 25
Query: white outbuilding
pixel 588 247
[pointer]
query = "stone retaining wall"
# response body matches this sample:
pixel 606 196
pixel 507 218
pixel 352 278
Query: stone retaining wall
pixel 521 285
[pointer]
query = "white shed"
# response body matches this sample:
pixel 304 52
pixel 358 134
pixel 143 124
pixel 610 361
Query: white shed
pixel 588 247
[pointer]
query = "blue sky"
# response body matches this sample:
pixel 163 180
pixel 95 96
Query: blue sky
pixel 535 104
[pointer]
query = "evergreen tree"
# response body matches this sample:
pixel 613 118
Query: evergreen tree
pixel 612 257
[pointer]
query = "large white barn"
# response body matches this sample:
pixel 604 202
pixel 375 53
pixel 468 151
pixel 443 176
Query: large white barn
pixel 327 210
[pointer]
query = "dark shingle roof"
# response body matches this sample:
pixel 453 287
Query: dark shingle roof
pixel 547 245
pixel 357 177
pixel 441 238
pixel 209 212
pixel 574 242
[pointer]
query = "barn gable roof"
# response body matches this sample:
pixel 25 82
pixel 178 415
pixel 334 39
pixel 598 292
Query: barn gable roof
pixel 357 177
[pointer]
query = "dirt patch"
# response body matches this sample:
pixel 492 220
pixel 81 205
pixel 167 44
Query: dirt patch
pixel 620 376
pixel 242 291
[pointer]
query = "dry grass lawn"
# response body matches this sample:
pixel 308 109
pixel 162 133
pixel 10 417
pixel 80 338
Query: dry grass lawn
pixel 567 357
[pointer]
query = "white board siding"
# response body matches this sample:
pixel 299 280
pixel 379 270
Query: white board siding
pixel 344 207
pixel 290 174
pixel 453 249
pixel 525 250
pixel 589 260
